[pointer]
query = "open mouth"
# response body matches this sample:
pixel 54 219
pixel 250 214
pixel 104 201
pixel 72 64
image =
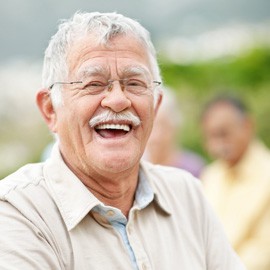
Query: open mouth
pixel 112 130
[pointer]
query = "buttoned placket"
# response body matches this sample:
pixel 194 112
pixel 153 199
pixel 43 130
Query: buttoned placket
pixel 113 217
pixel 142 259
pixel 127 228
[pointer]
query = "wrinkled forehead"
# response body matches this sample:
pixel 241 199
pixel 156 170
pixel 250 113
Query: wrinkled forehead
pixel 90 57
pixel 126 71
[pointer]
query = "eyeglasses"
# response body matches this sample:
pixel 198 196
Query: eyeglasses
pixel 132 86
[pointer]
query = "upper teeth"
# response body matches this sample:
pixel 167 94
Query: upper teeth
pixel 113 126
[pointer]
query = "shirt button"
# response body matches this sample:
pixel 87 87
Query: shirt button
pixel 110 213
pixel 144 267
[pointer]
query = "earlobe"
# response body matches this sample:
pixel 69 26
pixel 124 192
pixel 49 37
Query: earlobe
pixel 44 102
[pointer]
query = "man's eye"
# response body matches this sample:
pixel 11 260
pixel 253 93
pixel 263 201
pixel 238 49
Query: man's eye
pixel 94 87
pixel 96 84
pixel 135 83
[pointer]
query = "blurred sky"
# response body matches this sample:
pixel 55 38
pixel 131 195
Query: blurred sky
pixel 26 25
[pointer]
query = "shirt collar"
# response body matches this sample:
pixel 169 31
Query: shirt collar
pixel 144 193
pixel 149 172
pixel 75 201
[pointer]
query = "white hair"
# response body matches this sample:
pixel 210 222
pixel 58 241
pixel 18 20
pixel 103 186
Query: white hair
pixel 105 26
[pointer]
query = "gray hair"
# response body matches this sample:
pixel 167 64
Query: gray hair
pixel 105 26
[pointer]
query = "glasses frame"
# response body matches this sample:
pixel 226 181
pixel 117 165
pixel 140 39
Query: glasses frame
pixel 53 84
pixel 109 83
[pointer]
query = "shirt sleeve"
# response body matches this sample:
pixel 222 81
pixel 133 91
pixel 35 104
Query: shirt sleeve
pixel 22 245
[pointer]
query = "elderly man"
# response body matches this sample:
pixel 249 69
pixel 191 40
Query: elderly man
pixel 93 204
pixel 238 182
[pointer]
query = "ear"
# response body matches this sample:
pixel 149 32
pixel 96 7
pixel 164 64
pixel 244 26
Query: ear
pixel 158 102
pixel 44 102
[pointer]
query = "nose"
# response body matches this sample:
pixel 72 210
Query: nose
pixel 115 98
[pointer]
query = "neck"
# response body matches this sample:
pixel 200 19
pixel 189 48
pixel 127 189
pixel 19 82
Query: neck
pixel 111 188
pixel 117 191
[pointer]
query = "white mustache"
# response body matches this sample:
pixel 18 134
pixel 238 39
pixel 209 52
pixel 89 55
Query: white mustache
pixel 108 116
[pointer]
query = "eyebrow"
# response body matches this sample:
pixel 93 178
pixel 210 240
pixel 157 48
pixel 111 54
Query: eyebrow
pixel 128 71
pixel 89 71
pixel 135 71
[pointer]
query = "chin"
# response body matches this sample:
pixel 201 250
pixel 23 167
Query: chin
pixel 118 164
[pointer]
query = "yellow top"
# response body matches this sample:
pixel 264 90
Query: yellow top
pixel 240 195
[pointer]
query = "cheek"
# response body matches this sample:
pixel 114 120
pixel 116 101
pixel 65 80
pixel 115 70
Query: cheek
pixel 67 125
pixel 149 121
pixel 144 108
pixel 147 118
pixel 83 108
pixel 71 120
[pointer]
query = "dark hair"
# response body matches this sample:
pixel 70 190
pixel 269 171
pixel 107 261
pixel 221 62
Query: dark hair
pixel 231 100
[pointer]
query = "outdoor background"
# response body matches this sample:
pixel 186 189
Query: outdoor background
pixel 204 47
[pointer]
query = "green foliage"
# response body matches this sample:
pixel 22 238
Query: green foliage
pixel 246 75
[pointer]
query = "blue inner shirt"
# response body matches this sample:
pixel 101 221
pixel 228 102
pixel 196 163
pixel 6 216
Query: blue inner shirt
pixel 144 196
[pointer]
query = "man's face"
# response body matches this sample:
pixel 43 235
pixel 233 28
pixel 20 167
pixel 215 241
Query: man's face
pixel 110 148
pixel 227 133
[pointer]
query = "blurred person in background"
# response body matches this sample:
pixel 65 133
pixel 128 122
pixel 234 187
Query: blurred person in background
pixel 237 183
pixel 163 146
pixel 93 204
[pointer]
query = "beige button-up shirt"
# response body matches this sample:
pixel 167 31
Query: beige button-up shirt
pixel 47 222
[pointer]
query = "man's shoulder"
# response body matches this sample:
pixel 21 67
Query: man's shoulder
pixel 26 176
pixel 26 194
pixel 168 172
pixel 171 179
pixel 177 191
